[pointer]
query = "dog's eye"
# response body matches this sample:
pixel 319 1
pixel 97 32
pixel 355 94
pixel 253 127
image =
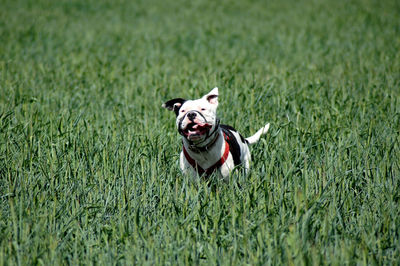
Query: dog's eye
pixel 203 109
pixel 182 111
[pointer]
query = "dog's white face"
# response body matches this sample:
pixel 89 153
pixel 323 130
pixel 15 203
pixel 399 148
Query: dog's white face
pixel 195 119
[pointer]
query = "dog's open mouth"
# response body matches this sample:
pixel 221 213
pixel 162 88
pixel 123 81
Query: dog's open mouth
pixel 194 130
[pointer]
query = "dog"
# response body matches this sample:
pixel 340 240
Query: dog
pixel 209 146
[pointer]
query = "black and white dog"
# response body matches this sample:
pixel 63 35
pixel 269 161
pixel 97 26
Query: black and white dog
pixel 209 146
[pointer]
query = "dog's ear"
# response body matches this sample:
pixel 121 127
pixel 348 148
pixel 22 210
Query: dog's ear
pixel 174 105
pixel 212 96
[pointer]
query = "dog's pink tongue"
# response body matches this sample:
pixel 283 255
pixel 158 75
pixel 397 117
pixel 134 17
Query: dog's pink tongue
pixel 199 129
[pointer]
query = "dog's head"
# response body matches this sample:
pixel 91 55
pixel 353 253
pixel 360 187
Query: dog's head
pixel 195 119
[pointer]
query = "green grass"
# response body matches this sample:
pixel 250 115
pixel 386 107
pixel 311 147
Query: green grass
pixel 88 158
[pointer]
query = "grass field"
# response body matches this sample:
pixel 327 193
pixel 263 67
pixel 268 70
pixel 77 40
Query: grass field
pixel 88 158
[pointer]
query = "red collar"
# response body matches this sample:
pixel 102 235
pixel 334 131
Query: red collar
pixel 211 169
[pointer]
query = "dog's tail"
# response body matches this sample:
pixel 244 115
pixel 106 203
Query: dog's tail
pixel 253 139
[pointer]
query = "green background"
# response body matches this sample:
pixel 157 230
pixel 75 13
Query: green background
pixel 88 158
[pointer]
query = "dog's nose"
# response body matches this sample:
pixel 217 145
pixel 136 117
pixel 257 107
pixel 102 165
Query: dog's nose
pixel 191 116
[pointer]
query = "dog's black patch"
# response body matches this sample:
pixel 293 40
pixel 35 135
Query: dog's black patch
pixel 243 139
pixel 234 130
pixel 228 127
pixel 170 105
pixel 234 146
